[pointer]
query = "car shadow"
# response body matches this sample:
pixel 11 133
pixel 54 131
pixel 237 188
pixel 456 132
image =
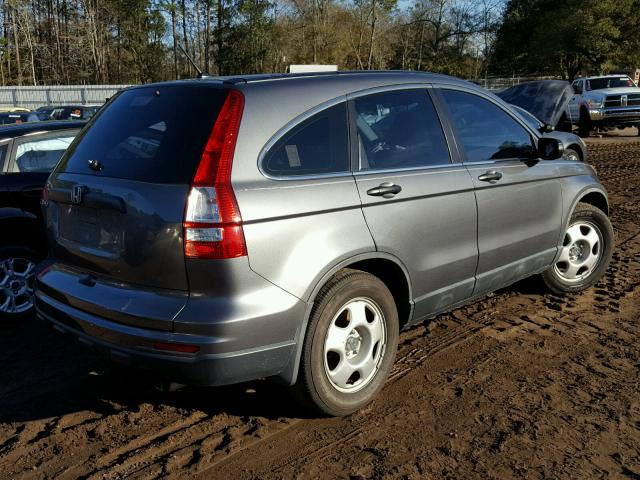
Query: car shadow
pixel 46 374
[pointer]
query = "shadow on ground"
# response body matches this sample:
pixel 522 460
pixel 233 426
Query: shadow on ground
pixel 46 374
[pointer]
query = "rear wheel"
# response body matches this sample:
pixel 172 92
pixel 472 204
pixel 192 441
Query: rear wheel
pixel 17 274
pixel 350 344
pixel 585 253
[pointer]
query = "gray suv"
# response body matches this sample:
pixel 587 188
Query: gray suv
pixel 227 229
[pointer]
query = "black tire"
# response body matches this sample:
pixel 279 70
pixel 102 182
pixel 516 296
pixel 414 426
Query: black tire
pixel 564 125
pixel 588 215
pixel 584 124
pixel 16 252
pixel 571 154
pixel 314 388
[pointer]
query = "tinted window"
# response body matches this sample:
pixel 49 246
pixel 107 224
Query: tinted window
pixel 485 130
pixel 10 118
pixel 154 134
pixel 399 130
pixel 317 145
pixel 40 155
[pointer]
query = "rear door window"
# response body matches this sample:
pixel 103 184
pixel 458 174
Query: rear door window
pixel 399 129
pixel 150 134
pixel 485 130
pixel 318 145
pixel 40 155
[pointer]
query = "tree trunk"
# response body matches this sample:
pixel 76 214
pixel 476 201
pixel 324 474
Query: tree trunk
pixel 175 42
pixel 220 39
pixel 184 33
pixel 17 45
pixel 373 34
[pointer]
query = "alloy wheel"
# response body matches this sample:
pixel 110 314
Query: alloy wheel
pixel 16 285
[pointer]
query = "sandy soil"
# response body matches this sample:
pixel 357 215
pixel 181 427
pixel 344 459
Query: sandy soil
pixel 522 384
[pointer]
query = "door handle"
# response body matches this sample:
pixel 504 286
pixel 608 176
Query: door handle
pixel 385 190
pixel 491 176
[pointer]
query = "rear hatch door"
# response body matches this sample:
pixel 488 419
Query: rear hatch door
pixel 116 204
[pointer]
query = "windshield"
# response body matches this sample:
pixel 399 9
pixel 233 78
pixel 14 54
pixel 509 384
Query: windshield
pixel 609 82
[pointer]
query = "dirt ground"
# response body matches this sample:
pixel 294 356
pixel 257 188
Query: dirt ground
pixel 522 384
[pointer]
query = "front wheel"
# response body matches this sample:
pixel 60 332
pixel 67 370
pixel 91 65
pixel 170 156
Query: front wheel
pixel 584 124
pixel 350 344
pixel 17 273
pixel 585 253
pixel 571 154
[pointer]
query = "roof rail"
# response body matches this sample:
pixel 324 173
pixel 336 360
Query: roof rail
pixel 233 80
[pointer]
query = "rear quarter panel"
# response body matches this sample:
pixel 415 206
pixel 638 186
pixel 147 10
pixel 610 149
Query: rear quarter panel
pixel 297 230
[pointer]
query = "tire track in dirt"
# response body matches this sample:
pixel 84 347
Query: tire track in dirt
pixel 131 431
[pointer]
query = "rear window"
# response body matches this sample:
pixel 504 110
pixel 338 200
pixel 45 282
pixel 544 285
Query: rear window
pixel 154 134
pixel 319 145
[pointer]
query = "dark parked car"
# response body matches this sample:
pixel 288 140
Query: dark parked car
pixel 548 100
pixel 73 112
pixel 44 112
pixel 28 153
pixel 9 118
pixel 296 223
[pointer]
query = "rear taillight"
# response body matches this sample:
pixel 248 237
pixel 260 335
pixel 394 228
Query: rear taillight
pixel 212 221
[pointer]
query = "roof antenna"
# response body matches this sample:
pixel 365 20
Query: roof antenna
pixel 201 74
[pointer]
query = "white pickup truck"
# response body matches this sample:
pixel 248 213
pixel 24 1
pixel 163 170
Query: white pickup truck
pixel 604 102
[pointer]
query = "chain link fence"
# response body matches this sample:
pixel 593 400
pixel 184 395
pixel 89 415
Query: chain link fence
pixel 34 97
pixel 500 83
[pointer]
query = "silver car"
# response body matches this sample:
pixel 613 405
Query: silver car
pixel 289 226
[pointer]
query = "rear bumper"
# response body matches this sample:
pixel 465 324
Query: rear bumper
pixel 133 346
pixel 241 326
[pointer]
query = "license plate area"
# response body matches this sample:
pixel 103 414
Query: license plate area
pixel 92 228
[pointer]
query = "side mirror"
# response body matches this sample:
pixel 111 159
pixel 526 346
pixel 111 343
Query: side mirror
pixel 550 148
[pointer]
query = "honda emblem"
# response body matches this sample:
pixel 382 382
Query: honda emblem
pixel 77 192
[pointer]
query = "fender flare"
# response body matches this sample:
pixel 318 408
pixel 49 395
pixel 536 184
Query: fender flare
pixel 578 197
pixel 9 213
pixel 290 374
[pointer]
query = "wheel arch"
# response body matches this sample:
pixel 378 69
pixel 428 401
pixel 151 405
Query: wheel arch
pixel 385 266
pixel 21 228
pixel 591 195
pixel 577 148
pixel 594 197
